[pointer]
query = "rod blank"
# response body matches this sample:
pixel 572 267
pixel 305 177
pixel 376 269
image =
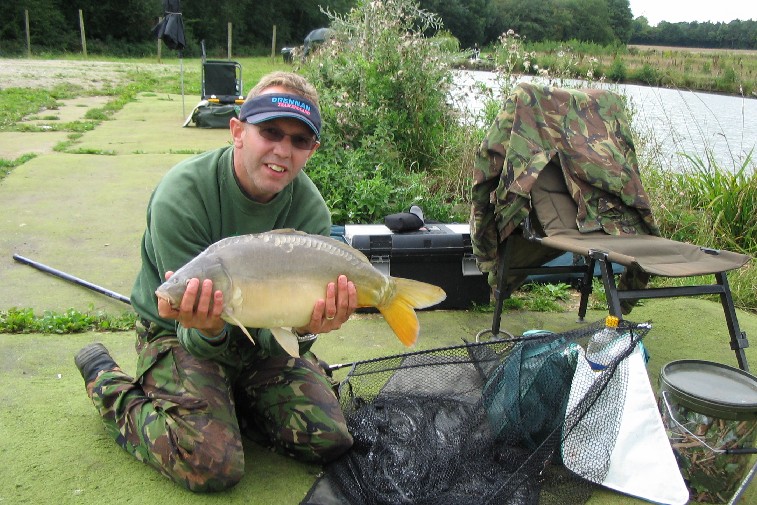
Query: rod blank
pixel 71 278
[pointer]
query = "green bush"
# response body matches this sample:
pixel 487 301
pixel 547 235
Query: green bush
pixel 728 81
pixel 365 182
pixel 446 42
pixel 648 75
pixel 388 127
pixel 617 72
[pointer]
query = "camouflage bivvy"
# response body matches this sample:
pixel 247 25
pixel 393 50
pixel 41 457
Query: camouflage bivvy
pixel 185 416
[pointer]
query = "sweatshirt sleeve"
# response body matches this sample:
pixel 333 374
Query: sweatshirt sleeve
pixel 199 346
pixel 179 227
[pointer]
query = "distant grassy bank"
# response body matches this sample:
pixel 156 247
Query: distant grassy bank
pixel 700 69
pixel 704 50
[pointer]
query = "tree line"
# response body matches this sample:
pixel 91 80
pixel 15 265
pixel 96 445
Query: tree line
pixel 738 34
pixel 124 27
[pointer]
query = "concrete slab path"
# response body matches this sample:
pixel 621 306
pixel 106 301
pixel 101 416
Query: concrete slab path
pixel 153 124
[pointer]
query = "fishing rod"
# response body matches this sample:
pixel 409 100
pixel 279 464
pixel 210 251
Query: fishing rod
pixel 338 366
pixel 71 278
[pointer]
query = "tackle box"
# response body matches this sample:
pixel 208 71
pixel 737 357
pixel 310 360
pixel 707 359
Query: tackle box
pixel 439 254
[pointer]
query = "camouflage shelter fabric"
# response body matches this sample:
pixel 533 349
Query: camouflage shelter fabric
pixel 584 132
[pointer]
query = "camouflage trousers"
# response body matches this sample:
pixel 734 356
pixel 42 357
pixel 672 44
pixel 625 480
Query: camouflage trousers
pixel 185 416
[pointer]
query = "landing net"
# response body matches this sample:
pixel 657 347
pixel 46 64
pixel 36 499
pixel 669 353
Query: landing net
pixel 496 422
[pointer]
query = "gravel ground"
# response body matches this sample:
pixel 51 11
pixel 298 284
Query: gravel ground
pixel 90 75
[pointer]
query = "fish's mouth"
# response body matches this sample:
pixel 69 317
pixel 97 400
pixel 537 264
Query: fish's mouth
pixel 162 296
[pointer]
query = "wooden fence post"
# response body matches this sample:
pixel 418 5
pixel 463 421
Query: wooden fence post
pixel 160 41
pixel 228 37
pixel 273 46
pixel 83 37
pixel 28 35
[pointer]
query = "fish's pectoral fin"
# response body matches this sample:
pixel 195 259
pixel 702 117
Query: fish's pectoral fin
pixel 287 340
pixel 236 321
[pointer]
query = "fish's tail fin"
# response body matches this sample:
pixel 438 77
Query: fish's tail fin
pixel 400 311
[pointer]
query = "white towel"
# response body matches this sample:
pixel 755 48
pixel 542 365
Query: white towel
pixel 642 463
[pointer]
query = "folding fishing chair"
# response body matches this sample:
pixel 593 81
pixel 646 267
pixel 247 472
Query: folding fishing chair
pixel 221 81
pixel 221 95
pixel 563 173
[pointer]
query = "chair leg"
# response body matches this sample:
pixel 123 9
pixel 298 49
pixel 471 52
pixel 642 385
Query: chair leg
pixel 611 288
pixel 497 312
pixel 586 288
pixel 502 291
pixel 738 338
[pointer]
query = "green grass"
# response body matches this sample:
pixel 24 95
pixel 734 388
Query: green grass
pixel 711 206
pixel 16 103
pixel 141 75
pixel 541 297
pixel 7 165
pixel 729 198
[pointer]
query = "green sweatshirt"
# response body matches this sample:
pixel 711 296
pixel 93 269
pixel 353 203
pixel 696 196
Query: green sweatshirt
pixel 199 202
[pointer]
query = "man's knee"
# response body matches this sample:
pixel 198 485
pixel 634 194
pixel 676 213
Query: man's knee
pixel 207 481
pixel 336 449
pixel 202 475
pixel 214 462
pixel 326 447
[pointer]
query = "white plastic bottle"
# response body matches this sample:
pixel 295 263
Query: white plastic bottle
pixel 601 351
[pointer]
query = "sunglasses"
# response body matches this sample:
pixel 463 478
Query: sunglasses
pixel 304 142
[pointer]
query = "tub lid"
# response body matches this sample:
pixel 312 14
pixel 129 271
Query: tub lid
pixel 712 383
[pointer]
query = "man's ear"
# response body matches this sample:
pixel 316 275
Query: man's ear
pixel 237 131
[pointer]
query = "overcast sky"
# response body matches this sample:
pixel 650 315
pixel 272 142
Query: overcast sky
pixel 694 10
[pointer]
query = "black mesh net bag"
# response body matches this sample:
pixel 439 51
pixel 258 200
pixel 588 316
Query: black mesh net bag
pixel 479 423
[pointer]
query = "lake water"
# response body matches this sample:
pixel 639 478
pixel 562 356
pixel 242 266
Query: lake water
pixel 669 122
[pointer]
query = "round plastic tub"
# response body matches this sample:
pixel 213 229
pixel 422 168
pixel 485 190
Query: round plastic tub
pixel 709 409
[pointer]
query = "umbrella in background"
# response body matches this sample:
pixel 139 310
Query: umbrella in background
pixel 317 36
pixel 171 31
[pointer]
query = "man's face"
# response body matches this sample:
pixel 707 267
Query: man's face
pixel 264 165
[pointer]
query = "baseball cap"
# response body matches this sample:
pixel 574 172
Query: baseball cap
pixel 276 105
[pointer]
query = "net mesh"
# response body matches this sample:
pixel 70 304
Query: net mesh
pixel 503 421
